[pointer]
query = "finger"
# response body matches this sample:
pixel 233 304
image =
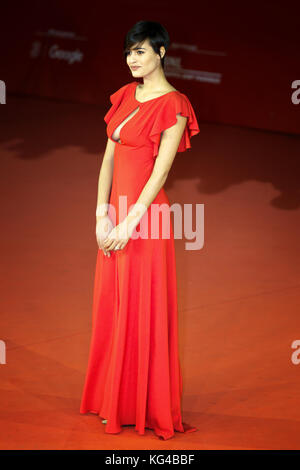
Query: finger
pixel 109 244
pixel 107 252
pixel 106 241
pixel 112 246
pixel 107 249
pixel 103 249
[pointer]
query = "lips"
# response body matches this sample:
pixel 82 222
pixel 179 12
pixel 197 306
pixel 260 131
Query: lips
pixel 134 68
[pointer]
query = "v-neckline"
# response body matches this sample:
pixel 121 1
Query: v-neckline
pixel 139 105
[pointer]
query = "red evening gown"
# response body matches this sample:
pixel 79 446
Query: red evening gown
pixel 133 375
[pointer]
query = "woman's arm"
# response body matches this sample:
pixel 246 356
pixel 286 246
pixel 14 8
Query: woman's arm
pixel 105 178
pixel 167 151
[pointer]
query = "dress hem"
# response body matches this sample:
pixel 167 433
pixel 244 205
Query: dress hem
pixel 186 428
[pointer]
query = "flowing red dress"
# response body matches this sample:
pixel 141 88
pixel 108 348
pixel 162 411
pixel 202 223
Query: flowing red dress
pixel 133 375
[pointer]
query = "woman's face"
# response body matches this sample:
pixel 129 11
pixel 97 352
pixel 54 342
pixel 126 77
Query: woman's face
pixel 144 58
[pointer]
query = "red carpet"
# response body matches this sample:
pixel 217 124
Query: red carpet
pixel 239 296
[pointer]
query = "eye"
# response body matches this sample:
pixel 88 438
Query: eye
pixel 129 52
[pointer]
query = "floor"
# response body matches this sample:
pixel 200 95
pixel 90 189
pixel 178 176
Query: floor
pixel 239 295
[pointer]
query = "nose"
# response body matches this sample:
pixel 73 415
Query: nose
pixel 132 62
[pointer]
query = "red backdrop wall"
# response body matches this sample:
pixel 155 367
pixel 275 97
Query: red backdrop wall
pixel 236 62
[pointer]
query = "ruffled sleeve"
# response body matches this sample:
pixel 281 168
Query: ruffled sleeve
pixel 177 103
pixel 115 99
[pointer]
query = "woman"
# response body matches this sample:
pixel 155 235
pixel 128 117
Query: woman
pixel 133 375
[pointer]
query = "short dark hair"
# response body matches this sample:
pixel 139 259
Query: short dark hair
pixel 152 30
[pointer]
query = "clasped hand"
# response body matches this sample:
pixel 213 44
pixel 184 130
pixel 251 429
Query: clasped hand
pixel 118 238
